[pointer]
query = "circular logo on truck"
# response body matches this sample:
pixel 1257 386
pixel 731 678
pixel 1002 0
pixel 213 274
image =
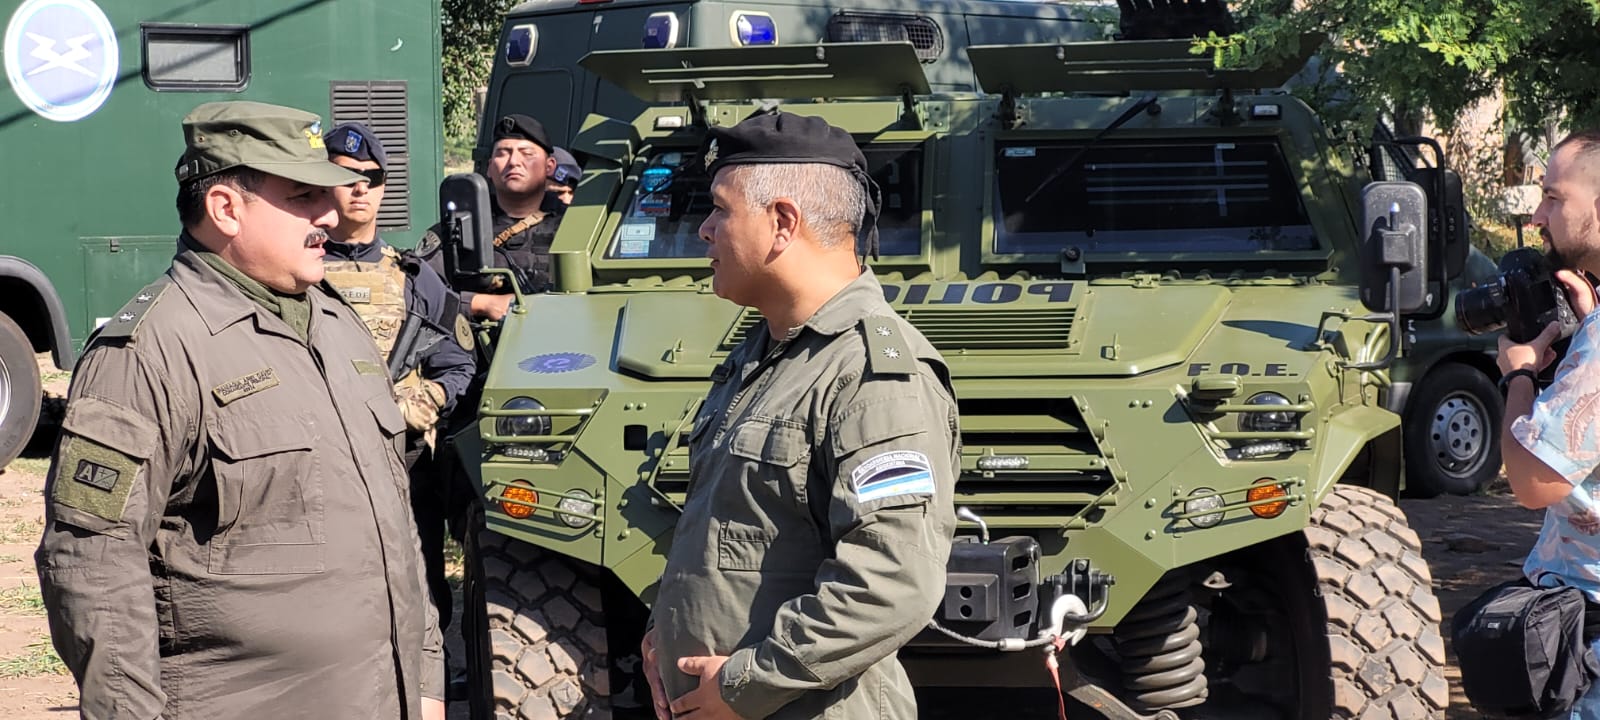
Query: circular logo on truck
pixel 61 57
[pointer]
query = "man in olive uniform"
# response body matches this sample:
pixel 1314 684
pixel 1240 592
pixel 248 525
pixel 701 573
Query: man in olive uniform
pixel 526 217
pixel 813 543
pixel 227 528
pixel 385 286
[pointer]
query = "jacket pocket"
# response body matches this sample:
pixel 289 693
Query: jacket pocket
pixel 269 496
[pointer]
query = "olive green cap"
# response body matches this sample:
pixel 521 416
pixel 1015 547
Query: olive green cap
pixel 274 139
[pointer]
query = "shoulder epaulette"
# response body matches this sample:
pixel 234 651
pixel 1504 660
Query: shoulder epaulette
pixel 887 350
pixel 126 321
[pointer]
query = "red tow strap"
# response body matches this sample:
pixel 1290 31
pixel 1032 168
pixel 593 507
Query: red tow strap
pixel 1052 664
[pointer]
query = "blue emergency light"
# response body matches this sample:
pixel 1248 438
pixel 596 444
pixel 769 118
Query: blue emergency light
pixel 754 28
pixel 661 31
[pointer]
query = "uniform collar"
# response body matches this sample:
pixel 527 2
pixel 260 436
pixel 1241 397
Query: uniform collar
pixel 848 306
pixel 359 252
pixel 220 303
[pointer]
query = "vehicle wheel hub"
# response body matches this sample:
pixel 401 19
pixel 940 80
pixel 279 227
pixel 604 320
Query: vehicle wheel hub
pixel 1459 437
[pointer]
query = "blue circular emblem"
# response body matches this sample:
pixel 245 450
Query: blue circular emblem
pixel 61 57
pixel 553 363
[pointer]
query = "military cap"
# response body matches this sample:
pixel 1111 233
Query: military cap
pixel 567 171
pixel 271 138
pixel 782 137
pixel 522 127
pixel 355 140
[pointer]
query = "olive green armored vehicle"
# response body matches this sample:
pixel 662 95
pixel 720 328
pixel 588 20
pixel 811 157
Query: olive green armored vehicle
pixel 1170 308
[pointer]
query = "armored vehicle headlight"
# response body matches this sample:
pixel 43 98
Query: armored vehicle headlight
pixel 1284 421
pixel 524 496
pixel 753 28
pixel 1204 500
pixel 522 425
pixel 576 501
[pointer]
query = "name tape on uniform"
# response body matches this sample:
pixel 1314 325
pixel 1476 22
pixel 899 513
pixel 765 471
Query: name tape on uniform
pixel 899 472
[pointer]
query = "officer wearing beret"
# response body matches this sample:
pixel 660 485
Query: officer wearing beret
pixel 564 179
pixel 526 217
pixel 813 543
pixel 386 286
pixel 227 531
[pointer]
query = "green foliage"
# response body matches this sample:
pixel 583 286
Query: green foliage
pixel 470 33
pixel 38 658
pixel 23 599
pixel 1437 56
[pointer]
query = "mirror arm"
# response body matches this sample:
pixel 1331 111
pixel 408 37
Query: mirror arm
pixel 521 305
pixel 1392 317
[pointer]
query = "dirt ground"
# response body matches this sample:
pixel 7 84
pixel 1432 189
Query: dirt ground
pixel 1470 543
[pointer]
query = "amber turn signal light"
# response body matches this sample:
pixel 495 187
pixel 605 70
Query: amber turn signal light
pixel 1268 492
pixel 521 492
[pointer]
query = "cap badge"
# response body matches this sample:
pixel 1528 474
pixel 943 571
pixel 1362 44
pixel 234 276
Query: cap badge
pixel 314 135
pixel 711 153
pixel 352 143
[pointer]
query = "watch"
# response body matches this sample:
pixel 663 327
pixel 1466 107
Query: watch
pixel 1505 380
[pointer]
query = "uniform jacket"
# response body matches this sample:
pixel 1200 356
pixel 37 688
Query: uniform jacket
pixel 424 293
pixel 228 533
pixel 819 516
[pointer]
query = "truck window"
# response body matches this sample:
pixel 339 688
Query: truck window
pixel 1158 196
pixel 672 198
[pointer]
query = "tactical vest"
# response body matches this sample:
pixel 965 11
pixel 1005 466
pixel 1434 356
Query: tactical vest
pixel 378 293
pixel 527 253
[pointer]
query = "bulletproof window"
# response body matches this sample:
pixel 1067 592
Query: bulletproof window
pixel 381 105
pixel 922 32
pixel 673 196
pixel 195 58
pixel 522 43
pixel 1193 195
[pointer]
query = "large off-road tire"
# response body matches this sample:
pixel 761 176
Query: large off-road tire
pixel 1382 628
pixel 21 390
pixel 540 636
pixel 1452 432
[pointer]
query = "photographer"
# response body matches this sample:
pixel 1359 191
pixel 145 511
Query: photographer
pixel 1551 439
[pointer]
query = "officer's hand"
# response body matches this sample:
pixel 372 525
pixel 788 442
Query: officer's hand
pixel 704 702
pixel 1534 355
pixel 420 401
pixel 491 307
pixel 432 709
pixel 1580 294
pixel 652 675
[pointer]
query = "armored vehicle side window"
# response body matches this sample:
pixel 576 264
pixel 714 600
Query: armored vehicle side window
pixel 672 198
pixel 1209 196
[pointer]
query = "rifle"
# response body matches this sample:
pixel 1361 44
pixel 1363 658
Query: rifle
pixel 418 335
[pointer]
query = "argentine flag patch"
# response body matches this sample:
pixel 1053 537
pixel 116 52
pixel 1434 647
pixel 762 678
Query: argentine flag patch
pixel 901 472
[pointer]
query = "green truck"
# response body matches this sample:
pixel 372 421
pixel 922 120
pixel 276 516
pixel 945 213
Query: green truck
pixel 1163 294
pixel 89 123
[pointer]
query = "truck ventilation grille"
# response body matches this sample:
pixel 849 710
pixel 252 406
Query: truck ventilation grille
pixel 922 32
pixel 381 105
pixel 966 329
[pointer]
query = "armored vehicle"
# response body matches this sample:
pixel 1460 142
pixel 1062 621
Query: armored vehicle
pixel 1169 306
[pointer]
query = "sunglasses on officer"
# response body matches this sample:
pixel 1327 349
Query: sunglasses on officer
pixel 375 177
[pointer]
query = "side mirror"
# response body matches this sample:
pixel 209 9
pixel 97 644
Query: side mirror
pixel 1394 252
pixel 468 227
pixel 1448 218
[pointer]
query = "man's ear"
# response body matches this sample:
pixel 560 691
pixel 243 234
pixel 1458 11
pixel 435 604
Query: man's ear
pixel 786 220
pixel 224 205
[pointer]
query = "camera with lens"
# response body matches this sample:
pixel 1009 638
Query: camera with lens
pixel 1524 299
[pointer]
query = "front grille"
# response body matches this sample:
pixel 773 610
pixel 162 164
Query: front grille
pixel 922 32
pixel 950 329
pixel 1066 484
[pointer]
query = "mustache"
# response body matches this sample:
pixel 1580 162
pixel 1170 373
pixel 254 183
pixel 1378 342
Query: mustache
pixel 316 238
pixel 1544 234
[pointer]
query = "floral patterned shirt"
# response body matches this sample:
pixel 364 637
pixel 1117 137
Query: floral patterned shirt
pixel 1564 431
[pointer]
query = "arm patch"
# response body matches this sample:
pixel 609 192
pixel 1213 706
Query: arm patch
pixel 102 448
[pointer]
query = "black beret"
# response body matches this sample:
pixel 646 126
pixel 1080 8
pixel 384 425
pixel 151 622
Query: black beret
pixel 357 141
pixel 782 137
pixel 521 127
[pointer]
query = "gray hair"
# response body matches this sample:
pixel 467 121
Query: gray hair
pixel 829 197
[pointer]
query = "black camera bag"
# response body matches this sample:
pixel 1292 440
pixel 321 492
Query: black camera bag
pixel 1523 650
